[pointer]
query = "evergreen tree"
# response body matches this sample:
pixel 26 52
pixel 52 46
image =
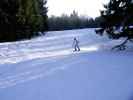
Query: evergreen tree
pixel 32 14
pixel 21 18
pixel 7 18
pixel 117 20
pixel 43 13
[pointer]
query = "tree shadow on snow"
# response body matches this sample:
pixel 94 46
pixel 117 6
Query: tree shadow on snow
pixel 131 98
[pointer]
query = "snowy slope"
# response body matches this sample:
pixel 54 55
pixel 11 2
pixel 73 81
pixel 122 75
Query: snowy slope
pixel 45 68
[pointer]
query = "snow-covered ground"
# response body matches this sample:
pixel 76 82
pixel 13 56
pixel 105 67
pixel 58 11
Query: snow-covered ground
pixel 46 68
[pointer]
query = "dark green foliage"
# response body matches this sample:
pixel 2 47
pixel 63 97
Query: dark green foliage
pixel 43 13
pixel 7 17
pixel 117 20
pixel 21 19
pixel 74 21
pixel 98 21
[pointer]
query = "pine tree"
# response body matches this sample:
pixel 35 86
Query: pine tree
pixel 43 12
pixel 32 15
pixel 21 19
pixel 7 18
pixel 117 21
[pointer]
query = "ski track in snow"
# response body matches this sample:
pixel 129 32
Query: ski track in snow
pixel 27 73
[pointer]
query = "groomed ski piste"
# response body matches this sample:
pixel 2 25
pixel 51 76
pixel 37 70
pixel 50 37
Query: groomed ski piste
pixel 46 68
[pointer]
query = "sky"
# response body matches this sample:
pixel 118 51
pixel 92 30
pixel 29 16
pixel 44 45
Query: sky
pixel 83 7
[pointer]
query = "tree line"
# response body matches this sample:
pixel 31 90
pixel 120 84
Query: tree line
pixel 72 21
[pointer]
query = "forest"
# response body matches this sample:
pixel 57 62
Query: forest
pixel 24 19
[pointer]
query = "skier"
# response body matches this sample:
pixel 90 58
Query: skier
pixel 76 44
